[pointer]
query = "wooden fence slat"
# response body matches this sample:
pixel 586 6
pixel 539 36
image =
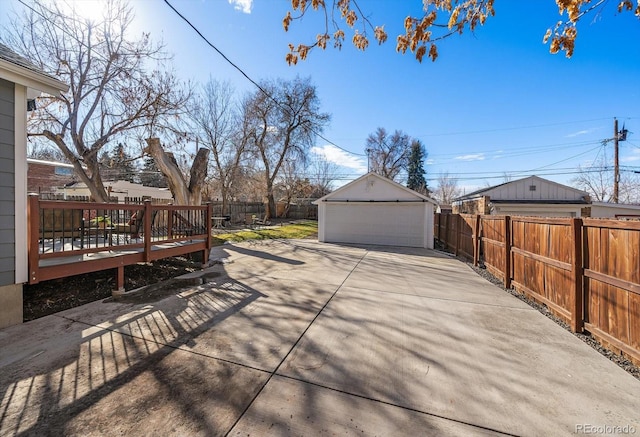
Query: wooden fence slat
pixel 576 305
pixel 542 259
pixel 507 252
pixel 586 270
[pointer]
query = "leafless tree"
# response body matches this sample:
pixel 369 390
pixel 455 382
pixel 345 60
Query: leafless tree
pixel 322 174
pixel 185 192
pixel 281 123
pixel 447 189
pixel 388 154
pixel 217 125
pixel 597 180
pixel 113 89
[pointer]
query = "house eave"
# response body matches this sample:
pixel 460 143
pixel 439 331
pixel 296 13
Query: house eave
pixel 31 79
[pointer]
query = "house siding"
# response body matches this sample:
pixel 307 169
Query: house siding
pixel 544 190
pixel 7 183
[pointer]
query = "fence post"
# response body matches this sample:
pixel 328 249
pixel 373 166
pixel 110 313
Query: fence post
pixel 577 269
pixel 507 252
pixel 437 226
pixel 446 231
pixel 476 241
pixel 457 235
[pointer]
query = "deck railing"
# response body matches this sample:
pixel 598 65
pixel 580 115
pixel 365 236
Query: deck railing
pixel 70 238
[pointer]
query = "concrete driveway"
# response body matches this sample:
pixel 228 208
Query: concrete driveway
pixel 302 338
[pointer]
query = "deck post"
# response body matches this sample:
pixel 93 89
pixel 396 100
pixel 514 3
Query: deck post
pixel 205 253
pixel 577 270
pixel 148 217
pixel 33 235
pixel 120 278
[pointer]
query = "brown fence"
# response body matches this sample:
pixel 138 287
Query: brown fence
pixel 611 282
pixel 587 271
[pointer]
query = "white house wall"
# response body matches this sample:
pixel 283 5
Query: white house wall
pixel 611 210
pixel 372 188
pixel 550 210
pixel 545 190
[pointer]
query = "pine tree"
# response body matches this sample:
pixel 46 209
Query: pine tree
pixel 118 165
pixel 150 175
pixel 415 168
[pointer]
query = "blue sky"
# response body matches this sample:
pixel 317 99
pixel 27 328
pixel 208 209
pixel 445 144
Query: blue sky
pixel 494 103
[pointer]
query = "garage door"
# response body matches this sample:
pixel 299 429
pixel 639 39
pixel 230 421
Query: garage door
pixel 388 224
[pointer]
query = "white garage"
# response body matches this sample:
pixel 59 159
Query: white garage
pixel 376 210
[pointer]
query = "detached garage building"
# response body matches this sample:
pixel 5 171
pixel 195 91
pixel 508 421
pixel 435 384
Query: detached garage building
pixel 376 210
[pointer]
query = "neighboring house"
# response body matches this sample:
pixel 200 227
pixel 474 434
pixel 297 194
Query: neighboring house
pixel 20 81
pixel 531 196
pixel 47 176
pixel 119 190
pixel 614 210
pixel 375 210
pixel 444 208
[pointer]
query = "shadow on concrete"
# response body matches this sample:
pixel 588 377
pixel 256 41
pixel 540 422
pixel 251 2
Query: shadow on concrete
pixel 126 360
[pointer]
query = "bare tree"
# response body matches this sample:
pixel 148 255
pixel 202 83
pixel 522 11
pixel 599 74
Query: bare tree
pixel 597 180
pixel 218 127
pixel 447 189
pixel 40 150
pixel 184 192
pixel 322 174
pixel 112 89
pixel 388 154
pixel 281 123
pixel 291 184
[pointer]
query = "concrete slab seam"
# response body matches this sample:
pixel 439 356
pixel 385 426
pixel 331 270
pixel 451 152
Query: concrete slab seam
pixel 295 344
pixel 391 404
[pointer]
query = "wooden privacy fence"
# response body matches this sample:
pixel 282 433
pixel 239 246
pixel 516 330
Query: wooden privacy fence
pixel 69 238
pixel 586 271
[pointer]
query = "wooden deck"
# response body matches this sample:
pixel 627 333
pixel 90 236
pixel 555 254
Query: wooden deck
pixel 71 238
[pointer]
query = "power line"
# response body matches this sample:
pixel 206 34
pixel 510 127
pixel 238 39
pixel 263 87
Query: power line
pixel 210 44
pixel 509 128
pixel 517 151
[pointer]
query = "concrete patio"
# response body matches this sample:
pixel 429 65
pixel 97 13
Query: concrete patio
pixel 301 338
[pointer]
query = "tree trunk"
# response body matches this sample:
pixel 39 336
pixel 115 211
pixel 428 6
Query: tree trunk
pixel 271 202
pixel 183 194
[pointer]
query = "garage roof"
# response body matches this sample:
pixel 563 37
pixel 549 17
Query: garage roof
pixel 373 187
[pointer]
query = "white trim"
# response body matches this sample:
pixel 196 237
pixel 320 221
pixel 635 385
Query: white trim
pixel 51 163
pixel 20 163
pixel 616 205
pixel 31 79
pixel 372 174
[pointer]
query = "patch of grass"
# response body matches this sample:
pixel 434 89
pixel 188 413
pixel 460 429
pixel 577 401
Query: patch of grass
pixel 298 230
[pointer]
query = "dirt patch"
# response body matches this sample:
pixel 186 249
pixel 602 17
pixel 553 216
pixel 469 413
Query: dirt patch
pixel 50 297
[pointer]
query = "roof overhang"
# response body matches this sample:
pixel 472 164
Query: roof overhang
pixel 539 202
pixel 31 79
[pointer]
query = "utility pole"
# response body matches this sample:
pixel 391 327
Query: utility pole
pixel 616 164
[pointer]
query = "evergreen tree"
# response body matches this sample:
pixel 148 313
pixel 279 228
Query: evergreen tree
pixel 415 168
pixel 118 166
pixel 150 175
